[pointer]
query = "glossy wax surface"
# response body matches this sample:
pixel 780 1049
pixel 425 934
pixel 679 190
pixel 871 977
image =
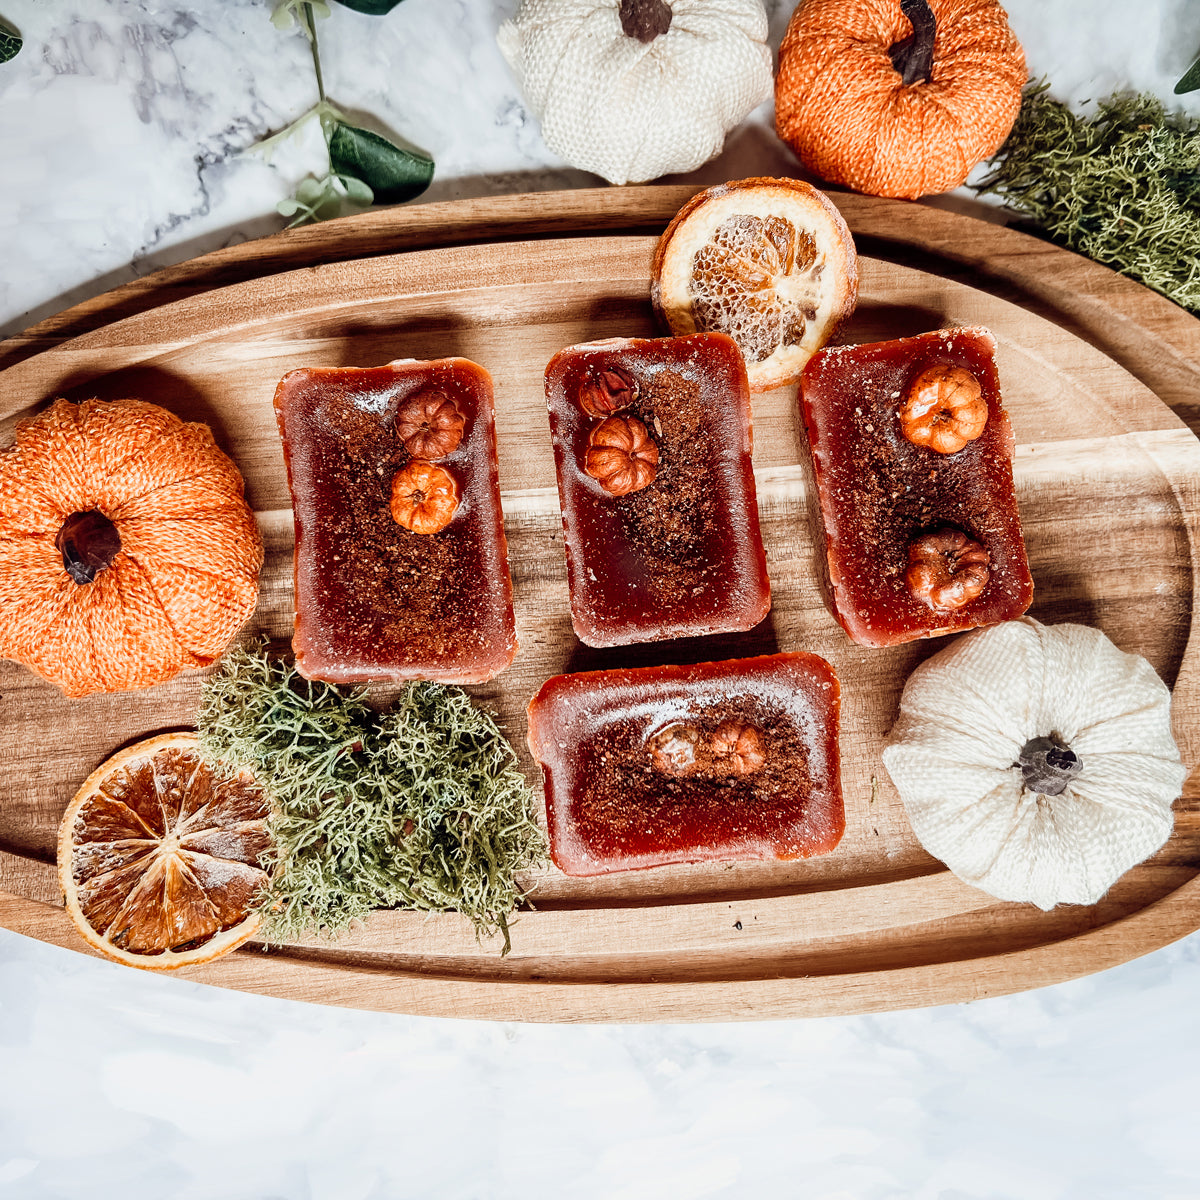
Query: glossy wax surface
pixel 610 806
pixel 683 556
pixel 877 491
pixel 375 601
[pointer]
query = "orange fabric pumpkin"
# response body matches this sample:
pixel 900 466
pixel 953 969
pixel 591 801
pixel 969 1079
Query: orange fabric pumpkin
pixel 127 551
pixel 897 97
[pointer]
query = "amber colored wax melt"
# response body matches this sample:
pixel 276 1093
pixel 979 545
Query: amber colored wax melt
pixel 726 760
pixel 912 453
pixel 401 561
pixel 652 447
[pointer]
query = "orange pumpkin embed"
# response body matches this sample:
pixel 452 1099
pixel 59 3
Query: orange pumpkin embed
pixel 127 550
pixel 424 497
pixel 621 456
pixel 897 97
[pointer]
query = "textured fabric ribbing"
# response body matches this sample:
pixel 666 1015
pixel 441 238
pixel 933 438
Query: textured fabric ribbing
pixel 632 111
pixel 844 110
pixel 965 716
pixel 185 578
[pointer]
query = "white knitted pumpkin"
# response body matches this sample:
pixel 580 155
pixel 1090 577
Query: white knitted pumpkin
pixel 632 109
pixel 1091 724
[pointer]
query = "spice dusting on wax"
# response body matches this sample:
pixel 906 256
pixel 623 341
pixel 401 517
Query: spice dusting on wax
pixel 656 765
pixel 667 545
pixel 401 562
pixel 917 541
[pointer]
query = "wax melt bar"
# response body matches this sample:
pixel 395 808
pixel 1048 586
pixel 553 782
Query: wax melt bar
pixel 652 765
pixel 912 453
pixel 652 447
pixel 401 561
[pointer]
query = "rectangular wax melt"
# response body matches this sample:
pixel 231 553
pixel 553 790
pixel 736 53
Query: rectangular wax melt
pixel 918 542
pixel 682 555
pixel 377 599
pixel 726 760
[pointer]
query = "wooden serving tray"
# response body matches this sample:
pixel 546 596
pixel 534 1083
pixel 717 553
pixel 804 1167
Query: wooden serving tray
pixel 1108 480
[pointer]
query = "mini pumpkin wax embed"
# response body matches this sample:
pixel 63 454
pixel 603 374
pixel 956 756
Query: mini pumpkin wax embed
pixel 897 97
pixel 127 550
pixel 1036 761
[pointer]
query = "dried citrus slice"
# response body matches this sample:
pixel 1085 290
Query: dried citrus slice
pixel 159 857
pixel 770 262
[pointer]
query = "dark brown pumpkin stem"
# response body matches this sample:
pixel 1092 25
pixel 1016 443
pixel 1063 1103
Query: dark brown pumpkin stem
pixel 645 19
pixel 913 56
pixel 88 542
pixel 1048 765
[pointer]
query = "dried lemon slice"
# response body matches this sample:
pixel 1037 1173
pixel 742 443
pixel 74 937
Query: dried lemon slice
pixel 770 262
pixel 159 857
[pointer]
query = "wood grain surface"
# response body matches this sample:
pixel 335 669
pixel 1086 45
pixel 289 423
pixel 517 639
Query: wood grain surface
pixel 1100 380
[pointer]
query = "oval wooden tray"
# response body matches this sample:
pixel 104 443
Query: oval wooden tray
pixel 1108 482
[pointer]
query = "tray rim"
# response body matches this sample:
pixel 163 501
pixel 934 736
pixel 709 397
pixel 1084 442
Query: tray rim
pixel 1117 941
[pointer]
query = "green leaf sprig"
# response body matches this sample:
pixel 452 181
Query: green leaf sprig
pixel 364 168
pixel 423 806
pixel 1122 187
pixel 10 41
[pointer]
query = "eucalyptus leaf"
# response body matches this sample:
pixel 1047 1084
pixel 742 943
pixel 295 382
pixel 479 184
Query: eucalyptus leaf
pixel 392 174
pixel 356 190
pixel 1190 81
pixel 373 8
pixel 10 42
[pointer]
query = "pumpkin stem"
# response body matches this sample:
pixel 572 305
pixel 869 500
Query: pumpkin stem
pixel 913 56
pixel 88 542
pixel 645 19
pixel 1048 765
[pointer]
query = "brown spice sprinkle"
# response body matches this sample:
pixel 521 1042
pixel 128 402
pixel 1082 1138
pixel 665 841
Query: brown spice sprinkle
pixel 621 455
pixel 946 569
pixel 673 520
pixel 424 497
pixel 378 588
pixel 430 425
pixel 943 409
pixel 630 805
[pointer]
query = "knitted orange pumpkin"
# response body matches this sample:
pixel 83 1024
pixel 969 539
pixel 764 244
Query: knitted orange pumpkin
pixel 897 97
pixel 127 552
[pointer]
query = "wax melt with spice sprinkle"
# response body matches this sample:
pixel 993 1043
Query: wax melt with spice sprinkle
pixel 652 441
pixel 401 560
pixel 648 766
pixel 912 457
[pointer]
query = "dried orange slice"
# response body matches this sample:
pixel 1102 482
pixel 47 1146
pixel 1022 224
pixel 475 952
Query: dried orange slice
pixel 770 262
pixel 159 857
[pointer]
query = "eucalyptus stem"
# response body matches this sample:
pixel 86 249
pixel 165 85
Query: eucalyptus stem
pixel 316 54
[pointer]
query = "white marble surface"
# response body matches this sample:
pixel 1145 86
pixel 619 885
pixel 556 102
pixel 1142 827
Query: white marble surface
pixel 122 135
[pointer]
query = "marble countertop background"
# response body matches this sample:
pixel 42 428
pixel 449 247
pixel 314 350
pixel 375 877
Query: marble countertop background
pixel 124 130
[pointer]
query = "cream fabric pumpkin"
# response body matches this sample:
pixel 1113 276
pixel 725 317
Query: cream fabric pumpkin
pixel 633 110
pixel 968 714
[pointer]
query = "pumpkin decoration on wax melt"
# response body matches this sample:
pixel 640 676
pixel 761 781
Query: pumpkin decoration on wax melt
pixel 1036 761
pixel 897 97
pixel 127 550
pixel 635 89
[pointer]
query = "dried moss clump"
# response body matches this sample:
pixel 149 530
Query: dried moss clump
pixel 1122 187
pixel 423 806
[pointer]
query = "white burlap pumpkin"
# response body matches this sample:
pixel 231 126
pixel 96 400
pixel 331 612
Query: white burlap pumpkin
pixel 1042 695
pixel 632 109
